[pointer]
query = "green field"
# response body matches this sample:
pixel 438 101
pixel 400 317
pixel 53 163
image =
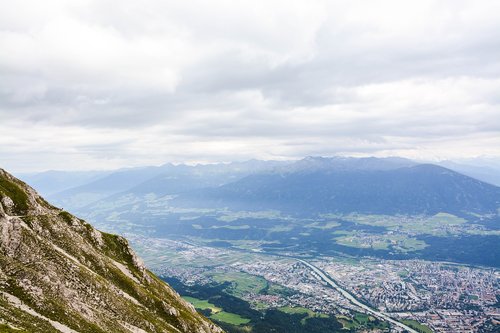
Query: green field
pixel 400 243
pixel 346 322
pixel 323 225
pixel 416 326
pixel 229 216
pixel 231 227
pixel 230 318
pixel 225 226
pixel 202 304
pixel 441 224
pixel 276 289
pixel 361 320
pixel 217 313
pixel 241 283
pixel 301 310
pixel 445 218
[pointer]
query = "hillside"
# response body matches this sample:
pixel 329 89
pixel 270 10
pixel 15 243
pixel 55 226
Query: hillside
pixel 59 274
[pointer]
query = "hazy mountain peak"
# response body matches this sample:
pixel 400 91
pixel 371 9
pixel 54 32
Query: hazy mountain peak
pixel 339 163
pixel 374 186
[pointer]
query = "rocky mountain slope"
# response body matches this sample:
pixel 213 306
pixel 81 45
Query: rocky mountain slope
pixel 59 274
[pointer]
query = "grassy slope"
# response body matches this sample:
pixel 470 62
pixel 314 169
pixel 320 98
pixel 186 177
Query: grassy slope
pixel 65 270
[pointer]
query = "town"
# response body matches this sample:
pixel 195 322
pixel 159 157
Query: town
pixel 444 297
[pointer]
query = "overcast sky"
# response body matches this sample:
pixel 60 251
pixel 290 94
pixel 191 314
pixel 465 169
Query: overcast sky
pixel 106 84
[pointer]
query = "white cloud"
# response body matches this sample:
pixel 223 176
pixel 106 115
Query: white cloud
pixel 101 84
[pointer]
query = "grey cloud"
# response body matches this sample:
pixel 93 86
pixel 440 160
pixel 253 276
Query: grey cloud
pixel 209 81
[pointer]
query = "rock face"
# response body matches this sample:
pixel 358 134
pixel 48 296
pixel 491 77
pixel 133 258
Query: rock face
pixel 59 274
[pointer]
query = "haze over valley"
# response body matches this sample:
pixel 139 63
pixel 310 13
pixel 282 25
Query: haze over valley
pixel 387 230
pixel 299 166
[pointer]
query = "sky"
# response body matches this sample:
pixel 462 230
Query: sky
pixel 113 83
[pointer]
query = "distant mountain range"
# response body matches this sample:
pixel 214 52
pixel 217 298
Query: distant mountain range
pixel 311 185
pixel 489 173
pixel 161 180
pixel 277 200
pixel 418 189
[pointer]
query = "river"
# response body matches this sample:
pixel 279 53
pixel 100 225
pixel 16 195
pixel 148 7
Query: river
pixel 352 299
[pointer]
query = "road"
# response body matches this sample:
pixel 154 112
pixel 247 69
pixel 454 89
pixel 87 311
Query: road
pixel 352 299
pixel 344 293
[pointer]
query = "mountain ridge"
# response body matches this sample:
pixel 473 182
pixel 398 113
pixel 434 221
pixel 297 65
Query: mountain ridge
pixel 417 189
pixel 194 183
pixel 59 274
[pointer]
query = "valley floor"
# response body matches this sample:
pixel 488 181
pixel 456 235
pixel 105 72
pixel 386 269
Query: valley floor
pixel 426 296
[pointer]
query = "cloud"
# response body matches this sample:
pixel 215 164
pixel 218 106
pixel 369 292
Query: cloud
pixel 103 84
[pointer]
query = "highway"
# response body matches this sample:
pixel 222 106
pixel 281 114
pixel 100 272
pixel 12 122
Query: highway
pixel 352 299
pixel 325 277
